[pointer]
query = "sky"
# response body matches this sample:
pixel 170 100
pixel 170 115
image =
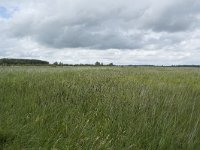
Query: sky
pixel 154 32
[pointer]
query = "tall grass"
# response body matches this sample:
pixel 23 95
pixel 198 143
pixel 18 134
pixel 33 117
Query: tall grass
pixel 99 108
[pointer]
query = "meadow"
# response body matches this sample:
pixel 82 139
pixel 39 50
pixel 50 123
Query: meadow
pixel 99 108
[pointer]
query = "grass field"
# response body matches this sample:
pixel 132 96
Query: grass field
pixel 99 108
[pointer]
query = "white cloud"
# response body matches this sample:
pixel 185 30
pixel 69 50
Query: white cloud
pixel 119 31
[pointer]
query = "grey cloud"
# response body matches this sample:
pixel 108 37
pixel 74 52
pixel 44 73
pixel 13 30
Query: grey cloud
pixel 116 26
pixel 101 24
pixel 73 25
pixel 177 16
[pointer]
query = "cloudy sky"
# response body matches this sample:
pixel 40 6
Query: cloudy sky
pixel 159 32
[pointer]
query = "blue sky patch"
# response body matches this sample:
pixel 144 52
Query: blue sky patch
pixel 4 13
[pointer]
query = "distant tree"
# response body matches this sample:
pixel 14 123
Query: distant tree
pixel 55 63
pixel 110 64
pixel 97 63
pixel 101 64
pixel 60 64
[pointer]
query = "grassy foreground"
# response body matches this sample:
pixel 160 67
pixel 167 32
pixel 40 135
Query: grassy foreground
pixel 99 108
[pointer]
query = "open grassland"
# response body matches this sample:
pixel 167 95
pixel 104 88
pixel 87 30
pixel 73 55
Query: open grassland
pixel 83 108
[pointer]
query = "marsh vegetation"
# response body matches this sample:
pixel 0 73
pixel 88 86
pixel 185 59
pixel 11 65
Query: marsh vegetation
pixel 99 108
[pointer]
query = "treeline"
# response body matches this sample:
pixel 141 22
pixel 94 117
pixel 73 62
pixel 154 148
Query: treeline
pixel 35 62
pixel 10 61
pixel 176 66
pixel 32 62
pixel 95 64
pixel 185 66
